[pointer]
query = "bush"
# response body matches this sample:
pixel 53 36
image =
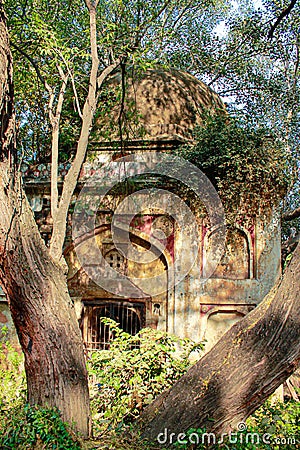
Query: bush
pixel 124 379
pixel 273 426
pixel 281 420
pixel 134 370
pixel 248 166
pixel 23 426
pixel 12 375
pixel 29 427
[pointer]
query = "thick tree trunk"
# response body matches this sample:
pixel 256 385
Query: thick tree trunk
pixel 35 285
pixel 231 381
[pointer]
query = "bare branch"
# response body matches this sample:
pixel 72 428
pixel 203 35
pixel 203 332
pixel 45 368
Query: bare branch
pixel 55 142
pixel 145 26
pixel 284 14
pixel 230 56
pixel 106 72
pixel 291 215
pixel 50 104
pixel 32 61
pixel 42 80
pixel 181 15
pixel 73 84
pixel 89 108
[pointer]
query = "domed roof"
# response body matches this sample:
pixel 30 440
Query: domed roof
pixel 158 105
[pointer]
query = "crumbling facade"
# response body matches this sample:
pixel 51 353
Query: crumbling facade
pixel 167 106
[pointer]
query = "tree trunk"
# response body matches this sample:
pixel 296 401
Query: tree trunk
pixel 35 285
pixel 243 369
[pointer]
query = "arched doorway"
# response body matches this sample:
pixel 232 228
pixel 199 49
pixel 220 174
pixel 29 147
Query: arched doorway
pixel 96 334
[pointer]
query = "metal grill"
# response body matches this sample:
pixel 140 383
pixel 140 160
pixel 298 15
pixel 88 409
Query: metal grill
pixel 97 335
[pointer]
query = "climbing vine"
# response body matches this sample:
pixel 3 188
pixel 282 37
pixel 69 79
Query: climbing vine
pixel 249 167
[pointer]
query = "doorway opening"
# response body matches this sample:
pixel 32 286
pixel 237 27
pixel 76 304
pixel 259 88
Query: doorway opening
pixel 98 335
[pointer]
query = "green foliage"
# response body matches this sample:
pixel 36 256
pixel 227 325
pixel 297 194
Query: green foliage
pixel 28 427
pixel 222 43
pixel 50 37
pixel 46 36
pixel 270 427
pixel 23 426
pixel 247 166
pixel 279 419
pixel 133 372
pixel 12 376
pixel 258 77
pixel 126 378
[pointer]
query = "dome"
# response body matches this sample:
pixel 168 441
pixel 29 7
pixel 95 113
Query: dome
pixel 158 105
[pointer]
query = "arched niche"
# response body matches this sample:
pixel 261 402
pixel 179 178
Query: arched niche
pixel 237 260
pixel 80 285
pixel 218 323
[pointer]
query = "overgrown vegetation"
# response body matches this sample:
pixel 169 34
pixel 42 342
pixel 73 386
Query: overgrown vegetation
pixel 273 426
pixel 36 428
pixel 133 371
pixel 248 166
pixel 124 379
pixel 12 374
pixel 23 426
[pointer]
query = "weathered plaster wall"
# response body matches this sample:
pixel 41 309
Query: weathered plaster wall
pixel 168 106
pixel 197 308
pixel 205 309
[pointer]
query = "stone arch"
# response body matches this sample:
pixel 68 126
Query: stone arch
pixel 237 261
pixel 217 319
pixel 156 307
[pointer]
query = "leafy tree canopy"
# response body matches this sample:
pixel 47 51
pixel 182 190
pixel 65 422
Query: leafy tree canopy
pixel 226 45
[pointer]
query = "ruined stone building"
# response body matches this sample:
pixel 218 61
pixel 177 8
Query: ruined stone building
pixel 167 106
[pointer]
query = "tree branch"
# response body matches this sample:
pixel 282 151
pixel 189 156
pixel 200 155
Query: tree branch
pixel 147 24
pixel 292 214
pixel 73 84
pixel 107 71
pixel 32 61
pixel 284 14
pixel 88 112
pixel 55 142
pixel 40 77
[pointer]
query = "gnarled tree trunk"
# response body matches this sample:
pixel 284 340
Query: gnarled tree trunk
pixel 35 285
pixel 243 369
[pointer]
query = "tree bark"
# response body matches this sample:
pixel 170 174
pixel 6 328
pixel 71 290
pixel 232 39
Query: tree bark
pixel 35 285
pixel 243 369
pixel 60 208
pixel 291 215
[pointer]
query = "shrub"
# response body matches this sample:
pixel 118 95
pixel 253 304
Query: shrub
pixel 28 427
pixel 270 427
pixel 248 166
pixel 133 372
pixel 23 426
pixel 281 420
pixel 12 375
